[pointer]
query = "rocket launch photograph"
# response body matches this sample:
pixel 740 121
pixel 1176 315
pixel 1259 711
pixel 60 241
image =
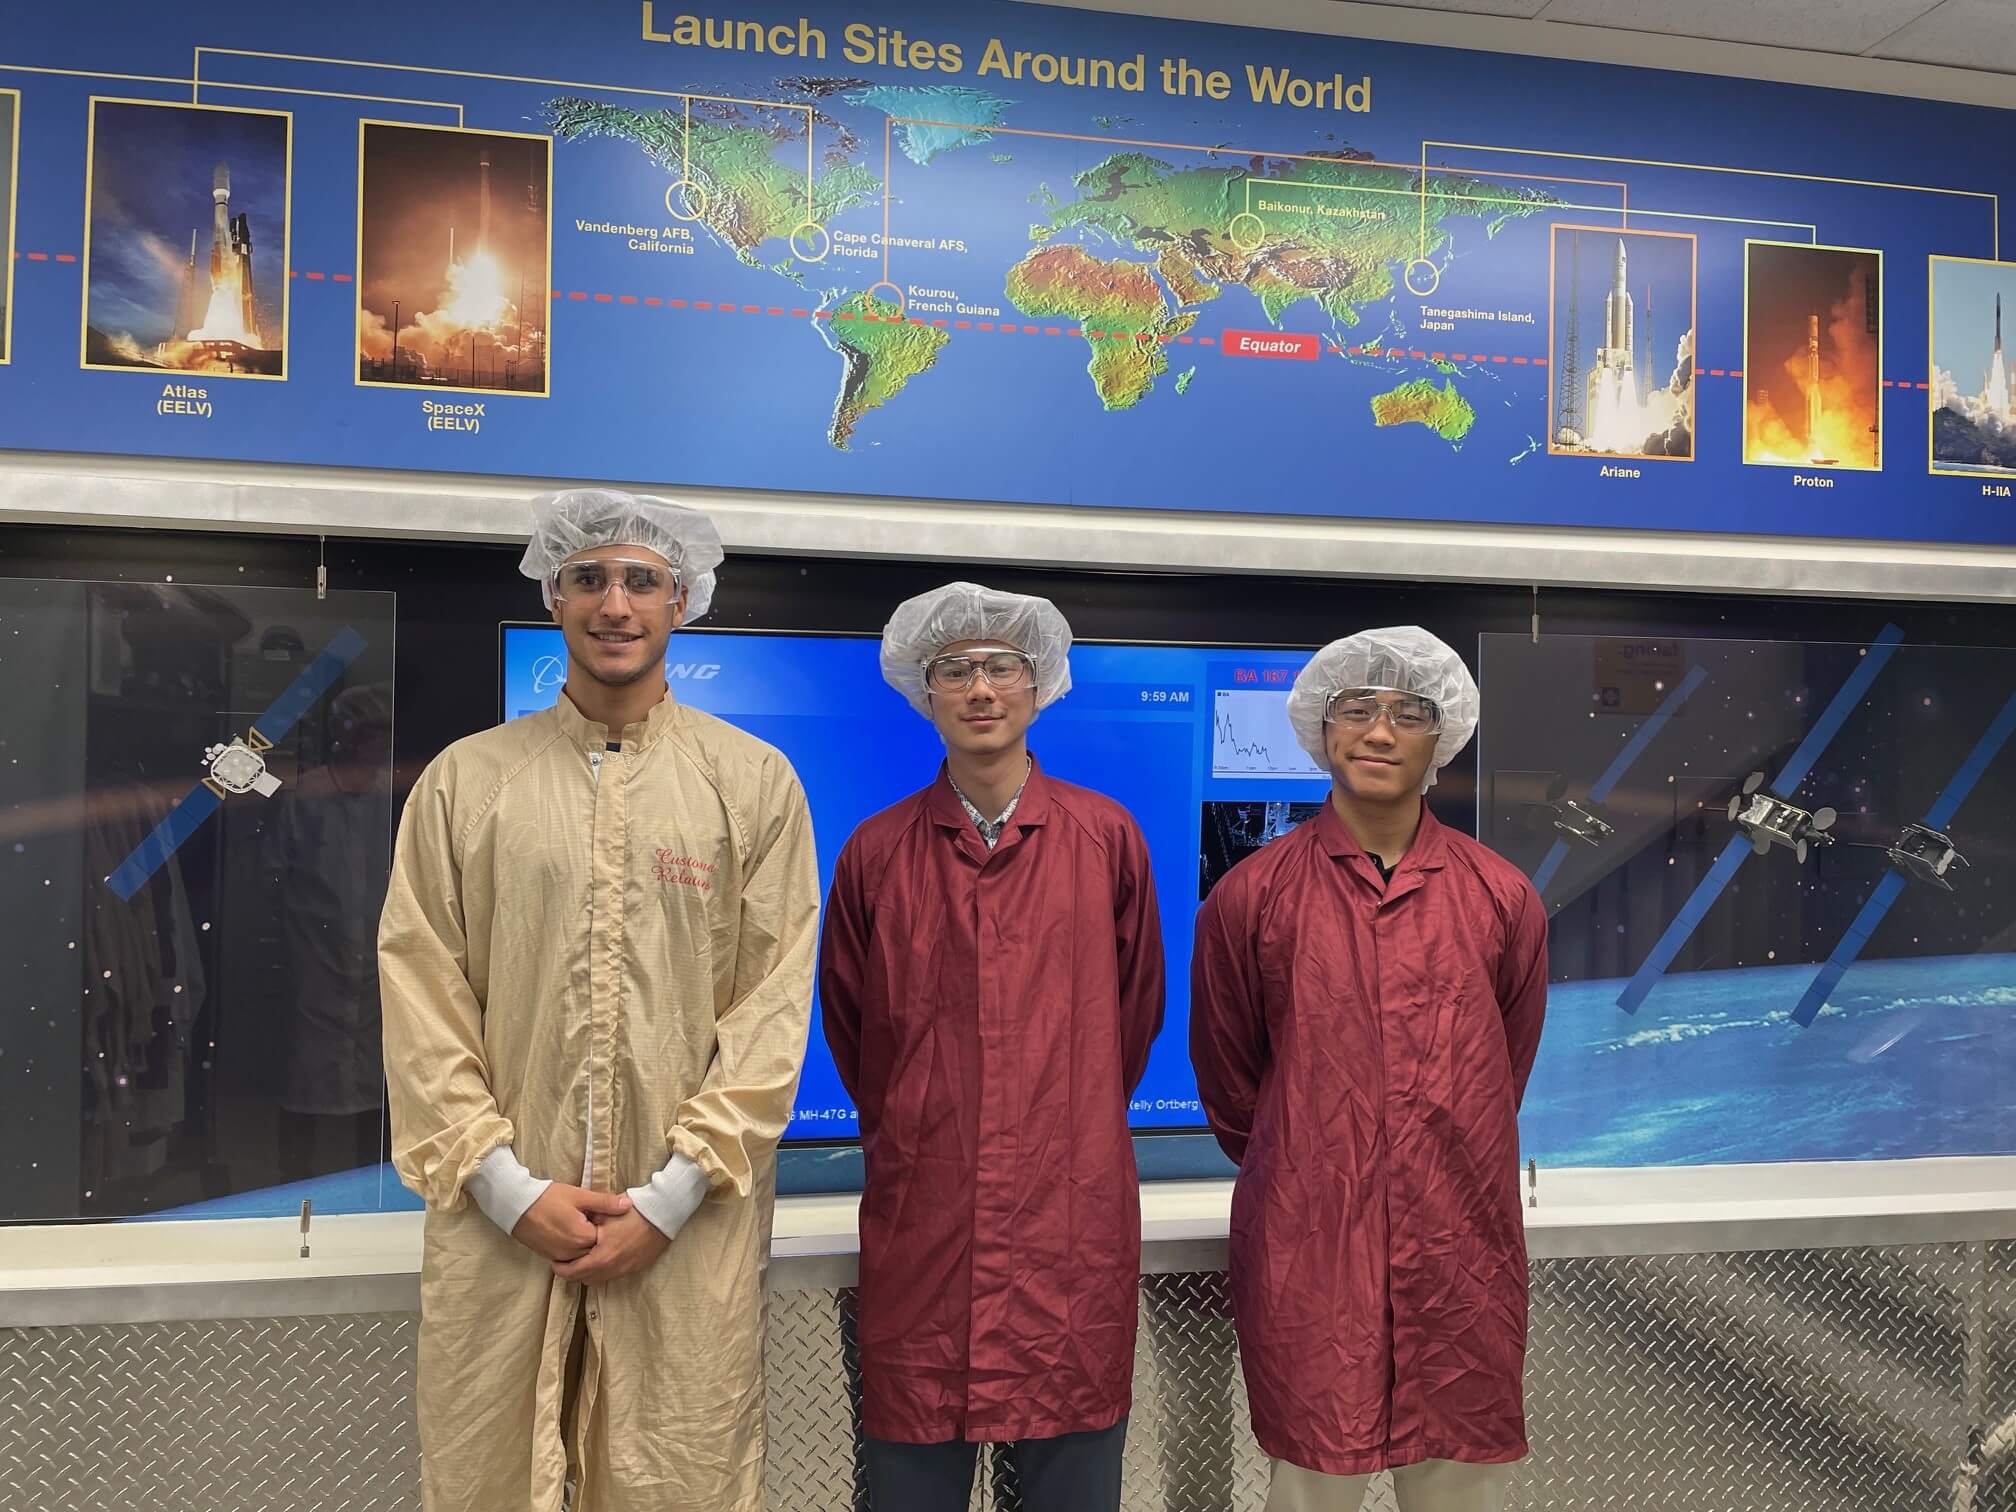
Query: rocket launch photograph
pixel 10 119
pixel 1621 343
pixel 1812 356
pixel 185 239
pixel 1973 391
pixel 454 237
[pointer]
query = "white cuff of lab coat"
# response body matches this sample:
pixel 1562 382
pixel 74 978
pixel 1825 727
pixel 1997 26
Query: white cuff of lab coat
pixel 503 1188
pixel 672 1196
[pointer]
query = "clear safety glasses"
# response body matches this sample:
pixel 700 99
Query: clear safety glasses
pixel 1360 708
pixel 1005 671
pixel 643 582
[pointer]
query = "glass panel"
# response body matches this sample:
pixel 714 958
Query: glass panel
pixel 195 831
pixel 1780 929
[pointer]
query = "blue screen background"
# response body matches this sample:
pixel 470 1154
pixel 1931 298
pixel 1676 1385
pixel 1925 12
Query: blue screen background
pixel 1141 724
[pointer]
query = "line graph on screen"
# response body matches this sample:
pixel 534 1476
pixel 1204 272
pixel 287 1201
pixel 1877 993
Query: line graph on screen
pixel 1251 737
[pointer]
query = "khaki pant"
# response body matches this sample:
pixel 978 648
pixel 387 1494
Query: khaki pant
pixel 1437 1486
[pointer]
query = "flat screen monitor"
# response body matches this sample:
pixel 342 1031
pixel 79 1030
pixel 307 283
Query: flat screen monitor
pixel 1194 741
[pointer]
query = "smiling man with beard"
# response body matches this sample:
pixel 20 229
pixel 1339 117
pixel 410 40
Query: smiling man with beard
pixel 596 957
pixel 1365 1007
pixel 991 980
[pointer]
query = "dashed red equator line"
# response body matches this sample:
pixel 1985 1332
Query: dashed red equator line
pixel 1002 327
pixel 1005 327
pixel 1414 354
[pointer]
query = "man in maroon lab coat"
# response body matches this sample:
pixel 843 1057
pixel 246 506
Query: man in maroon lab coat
pixel 991 978
pixel 1365 1009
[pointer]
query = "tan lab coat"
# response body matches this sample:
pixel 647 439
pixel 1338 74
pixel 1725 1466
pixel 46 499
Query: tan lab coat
pixel 597 957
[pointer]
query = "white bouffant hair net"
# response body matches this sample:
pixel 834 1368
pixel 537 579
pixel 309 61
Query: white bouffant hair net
pixel 575 520
pixel 924 626
pixel 1405 659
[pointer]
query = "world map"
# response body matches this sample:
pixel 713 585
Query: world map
pixel 1126 255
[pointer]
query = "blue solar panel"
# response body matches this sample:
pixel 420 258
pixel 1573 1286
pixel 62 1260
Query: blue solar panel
pixel 309 684
pixel 1986 749
pixel 1829 724
pixel 1621 763
pixel 1555 856
pixel 1635 746
pixel 1835 715
pixel 182 822
pixel 1891 887
pixel 314 680
pixel 1685 923
pixel 1887 892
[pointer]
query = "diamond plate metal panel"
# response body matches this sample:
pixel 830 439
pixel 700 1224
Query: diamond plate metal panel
pixel 243 1416
pixel 1785 1381
pixel 812 1370
pixel 1830 1380
pixel 1191 1447
pixel 1991 1473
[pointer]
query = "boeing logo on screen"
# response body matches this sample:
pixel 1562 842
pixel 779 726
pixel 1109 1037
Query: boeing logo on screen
pixel 548 673
pixel 698 671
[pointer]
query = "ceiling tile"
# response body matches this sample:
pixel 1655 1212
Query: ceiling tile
pixel 1960 34
pixel 1840 26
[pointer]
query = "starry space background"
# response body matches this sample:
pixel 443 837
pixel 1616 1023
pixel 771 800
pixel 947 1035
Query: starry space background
pixel 1893 757
pixel 1910 1056
pixel 1914 1055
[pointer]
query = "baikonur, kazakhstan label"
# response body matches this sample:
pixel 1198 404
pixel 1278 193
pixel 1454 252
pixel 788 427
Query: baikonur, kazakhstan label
pixel 1322 211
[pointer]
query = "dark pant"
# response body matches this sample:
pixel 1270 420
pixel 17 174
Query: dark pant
pixel 1079 1472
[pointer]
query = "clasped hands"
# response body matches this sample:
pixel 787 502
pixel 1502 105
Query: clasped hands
pixel 590 1237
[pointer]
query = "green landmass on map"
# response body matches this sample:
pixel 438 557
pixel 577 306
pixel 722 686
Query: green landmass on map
pixel 1180 273
pixel 880 353
pixel 1333 230
pixel 1118 308
pixel 1443 410
pixel 934 118
pixel 744 193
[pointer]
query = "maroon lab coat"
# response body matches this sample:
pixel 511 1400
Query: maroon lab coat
pixel 1361 1047
pixel 991 1015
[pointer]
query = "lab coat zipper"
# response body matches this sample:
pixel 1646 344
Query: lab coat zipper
pixel 588 1143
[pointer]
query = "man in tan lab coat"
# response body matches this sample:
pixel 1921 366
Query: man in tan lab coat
pixel 596 958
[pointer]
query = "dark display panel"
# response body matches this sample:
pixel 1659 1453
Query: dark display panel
pixel 226 1133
